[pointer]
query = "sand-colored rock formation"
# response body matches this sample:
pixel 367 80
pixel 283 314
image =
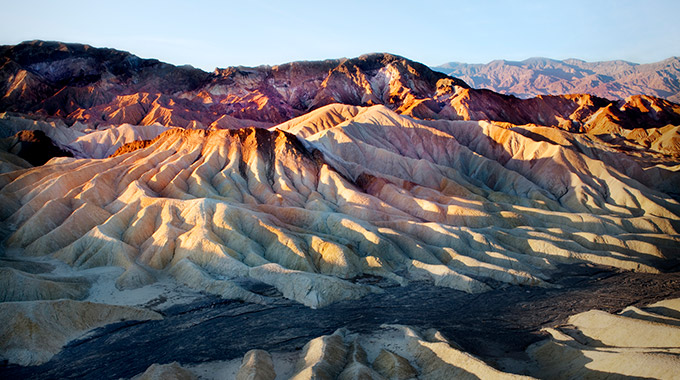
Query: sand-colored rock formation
pixel 105 142
pixel 357 366
pixel 441 359
pixel 344 355
pixel 77 140
pixel 18 285
pixel 358 191
pixel 54 128
pixel 9 161
pixel 643 343
pixel 32 332
pixel 256 365
pixel 171 371
pixel 393 366
pixel 322 358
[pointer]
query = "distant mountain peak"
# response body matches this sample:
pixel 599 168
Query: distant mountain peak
pixel 535 76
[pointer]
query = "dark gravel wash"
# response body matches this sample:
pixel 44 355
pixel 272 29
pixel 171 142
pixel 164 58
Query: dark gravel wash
pixel 492 325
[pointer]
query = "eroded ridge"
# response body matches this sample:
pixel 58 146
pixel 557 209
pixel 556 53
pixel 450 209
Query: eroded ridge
pixel 637 342
pixel 390 352
pixel 358 191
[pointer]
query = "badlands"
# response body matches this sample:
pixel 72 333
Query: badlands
pixel 362 218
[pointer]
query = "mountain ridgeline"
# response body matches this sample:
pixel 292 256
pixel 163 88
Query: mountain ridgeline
pixel 543 76
pixel 79 83
pixel 103 86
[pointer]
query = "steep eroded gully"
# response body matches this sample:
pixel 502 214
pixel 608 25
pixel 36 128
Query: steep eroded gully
pixel 493 325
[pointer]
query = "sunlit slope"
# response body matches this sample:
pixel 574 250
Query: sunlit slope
pixel 359 191
pixel 634 343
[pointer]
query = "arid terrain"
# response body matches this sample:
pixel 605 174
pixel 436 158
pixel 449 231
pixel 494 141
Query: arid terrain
pixel 363 218
pixel 544 76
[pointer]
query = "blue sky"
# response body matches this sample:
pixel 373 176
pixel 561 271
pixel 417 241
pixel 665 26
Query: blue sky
pixel 209 34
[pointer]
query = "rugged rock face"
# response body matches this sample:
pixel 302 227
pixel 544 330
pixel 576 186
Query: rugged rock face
pixel 543 76
pixel 60 79
pixel 99 87
pixel 103 86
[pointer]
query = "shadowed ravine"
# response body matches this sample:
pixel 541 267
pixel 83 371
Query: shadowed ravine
pixel 493 325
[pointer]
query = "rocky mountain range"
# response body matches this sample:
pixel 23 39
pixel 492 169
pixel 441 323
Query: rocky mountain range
pixel 91 87
pixel 543 76
pixel 78 83
pixel 352 218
